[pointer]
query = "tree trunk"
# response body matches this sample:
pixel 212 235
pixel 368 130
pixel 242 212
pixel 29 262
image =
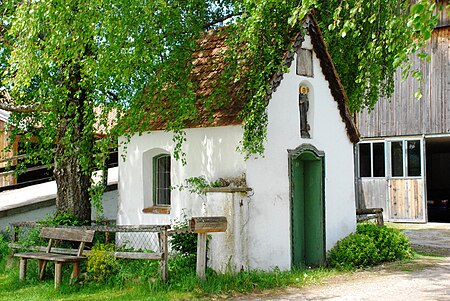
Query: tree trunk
pixel 74 152
pixel 73 186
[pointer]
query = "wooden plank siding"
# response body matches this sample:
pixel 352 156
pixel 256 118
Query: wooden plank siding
pixel 444 18
pixel 6 178
pixel 402 114
pixel 372 193
pixel 406 200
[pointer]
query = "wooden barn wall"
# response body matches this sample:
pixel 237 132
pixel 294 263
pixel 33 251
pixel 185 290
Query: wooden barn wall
pixel 403 114
pixel 444 19
pixel 5 177
pixel 372 193
pixel 406 201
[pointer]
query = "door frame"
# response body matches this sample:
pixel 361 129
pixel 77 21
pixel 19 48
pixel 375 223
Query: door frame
pixel 390 179
pixel 294 154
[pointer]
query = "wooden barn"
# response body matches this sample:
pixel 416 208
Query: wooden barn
pixel 403 159
pixel 6 176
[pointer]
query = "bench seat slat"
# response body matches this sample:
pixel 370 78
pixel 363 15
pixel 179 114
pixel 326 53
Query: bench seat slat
pixel 50 256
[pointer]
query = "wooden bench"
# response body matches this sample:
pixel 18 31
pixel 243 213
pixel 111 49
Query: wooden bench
pixel 367 214
pixel 66 234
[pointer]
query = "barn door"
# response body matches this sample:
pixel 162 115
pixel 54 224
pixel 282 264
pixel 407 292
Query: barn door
pixel 307 207
pixel 406 200
pixel 406 180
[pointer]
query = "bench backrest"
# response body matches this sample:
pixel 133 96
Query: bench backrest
pixel 82 236
pixel 67 234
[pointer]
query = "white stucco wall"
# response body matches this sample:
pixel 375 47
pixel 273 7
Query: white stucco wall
pixel 228 251
pixel 210 152
pixel 269 228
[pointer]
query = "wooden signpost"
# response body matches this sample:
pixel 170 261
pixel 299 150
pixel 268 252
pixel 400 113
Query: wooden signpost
pixel 202 226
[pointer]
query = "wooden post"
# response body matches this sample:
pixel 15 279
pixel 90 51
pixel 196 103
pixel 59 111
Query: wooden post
pixel 58 273
pixel 163 247
pixel 22 268
pixel 75 271
pixel 380 221
pixel 202 226
pixel 42 264
pixel 201 255
pixel 14 234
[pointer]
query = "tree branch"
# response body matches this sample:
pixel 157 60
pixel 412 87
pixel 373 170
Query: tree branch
pixel 6 104
pixel 221 19
pixel 3 40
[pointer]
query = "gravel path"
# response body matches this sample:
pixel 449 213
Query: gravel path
pixel 425 279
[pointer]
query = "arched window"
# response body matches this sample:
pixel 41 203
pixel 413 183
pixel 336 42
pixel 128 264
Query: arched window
pixel 161 180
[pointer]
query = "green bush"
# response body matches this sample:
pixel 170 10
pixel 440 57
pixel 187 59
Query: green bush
pixel 60 219
pixel 355 250
pixel 183 243
pixel 182 265
pixel 103 266
pixel 136 270
pixel 101 263
pixel 4 249
pixel 30 237
pixel 183 262
pixel 369 246
pixel 391 243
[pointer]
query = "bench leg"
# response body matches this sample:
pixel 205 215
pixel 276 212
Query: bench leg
pixel 42 265
pixel 58 273
pixel 75 271
pixel 22 268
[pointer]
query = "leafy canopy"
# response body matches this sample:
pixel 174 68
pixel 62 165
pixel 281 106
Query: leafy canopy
pixel 126 55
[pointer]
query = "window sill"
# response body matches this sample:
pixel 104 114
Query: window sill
pixel 157 210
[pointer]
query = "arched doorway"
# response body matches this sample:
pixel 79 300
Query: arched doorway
pixel 306 166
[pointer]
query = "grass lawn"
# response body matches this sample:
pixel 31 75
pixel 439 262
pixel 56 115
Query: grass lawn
pixel 181 286
pixel 120 279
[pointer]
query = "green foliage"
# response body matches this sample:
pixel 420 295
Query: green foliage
pixel 103 266
pixel 263 32
pixel 96 191
pixel 4 249
pixel 71 57
pixel 369 246
pixel 60 219
pixel 197 185
pixel 378 37
pixel 30 236
pixel 142 284
pixel 133 270
pixel 354 251
pixel 183 243
pixel 101 263
pixel 391 243
pixel 180 266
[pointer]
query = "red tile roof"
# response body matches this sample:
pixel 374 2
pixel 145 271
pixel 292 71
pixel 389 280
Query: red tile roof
pixel 208 64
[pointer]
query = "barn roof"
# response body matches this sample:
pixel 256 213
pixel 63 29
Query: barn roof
pixel 208 64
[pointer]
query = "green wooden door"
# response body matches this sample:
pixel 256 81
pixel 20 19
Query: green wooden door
pixel 307 209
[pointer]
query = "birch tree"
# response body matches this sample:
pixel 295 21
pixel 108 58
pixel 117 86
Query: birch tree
pixel 68 66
